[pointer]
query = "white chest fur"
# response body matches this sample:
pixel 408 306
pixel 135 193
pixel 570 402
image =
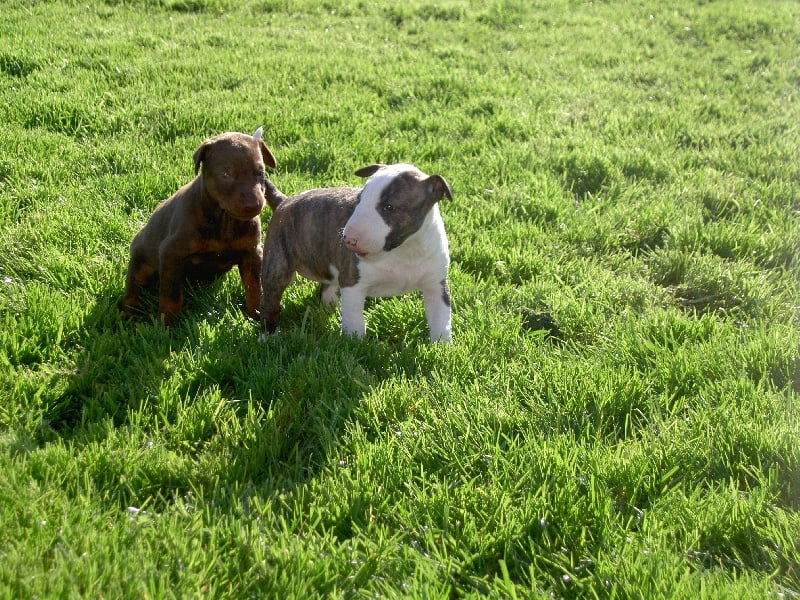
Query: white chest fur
pixel 419 263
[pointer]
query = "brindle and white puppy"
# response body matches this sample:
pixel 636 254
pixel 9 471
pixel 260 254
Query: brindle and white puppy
pixel 384 239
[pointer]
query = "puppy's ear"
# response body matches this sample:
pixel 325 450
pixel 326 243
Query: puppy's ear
pixel 438 188
pixel 369 171
pixel 266 154
pixel 200 155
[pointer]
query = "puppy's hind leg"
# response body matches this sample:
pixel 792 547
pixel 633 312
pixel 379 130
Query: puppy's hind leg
pixel 329 294
pixel 276 275
pixel 137 277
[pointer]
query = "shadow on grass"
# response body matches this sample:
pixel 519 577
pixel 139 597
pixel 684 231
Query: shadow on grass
pixel 204 406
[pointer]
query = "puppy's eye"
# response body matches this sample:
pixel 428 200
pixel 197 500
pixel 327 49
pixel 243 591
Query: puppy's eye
pixel 387 207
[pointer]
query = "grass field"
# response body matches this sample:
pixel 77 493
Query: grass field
pixel 619 414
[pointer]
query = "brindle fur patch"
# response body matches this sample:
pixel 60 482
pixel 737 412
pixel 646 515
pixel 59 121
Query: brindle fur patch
pixel 446 293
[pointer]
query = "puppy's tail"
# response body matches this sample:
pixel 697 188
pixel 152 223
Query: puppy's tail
pixel 274 195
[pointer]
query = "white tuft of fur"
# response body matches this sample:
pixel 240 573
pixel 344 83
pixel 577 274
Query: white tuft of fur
pixel 257 133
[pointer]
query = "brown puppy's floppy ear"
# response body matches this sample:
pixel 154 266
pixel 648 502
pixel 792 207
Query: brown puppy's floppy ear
pixel 200 155
pixel 266 154
pixel 370 170
pixel 438 187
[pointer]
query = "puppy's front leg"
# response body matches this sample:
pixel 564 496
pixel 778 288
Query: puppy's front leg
pixel 353 323
pixel 170 289
pixel 250 272
pixel 438 311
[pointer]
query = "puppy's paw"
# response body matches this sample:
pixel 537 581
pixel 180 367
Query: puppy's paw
pixel 129 308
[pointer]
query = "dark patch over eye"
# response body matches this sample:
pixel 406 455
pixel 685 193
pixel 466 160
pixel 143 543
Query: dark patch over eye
pixel 403 209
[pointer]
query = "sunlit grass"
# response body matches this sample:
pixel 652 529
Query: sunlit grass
pixel 618 415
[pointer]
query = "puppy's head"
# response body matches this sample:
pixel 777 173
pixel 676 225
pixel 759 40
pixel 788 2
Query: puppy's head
pixel 234 172
pixel 393 205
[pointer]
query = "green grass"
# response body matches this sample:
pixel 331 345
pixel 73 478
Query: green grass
pixel 618 416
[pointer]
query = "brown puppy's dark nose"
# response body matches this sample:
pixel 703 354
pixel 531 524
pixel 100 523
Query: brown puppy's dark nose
pixel 251 202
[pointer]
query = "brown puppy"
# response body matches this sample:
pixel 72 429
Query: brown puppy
pixel 205 228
